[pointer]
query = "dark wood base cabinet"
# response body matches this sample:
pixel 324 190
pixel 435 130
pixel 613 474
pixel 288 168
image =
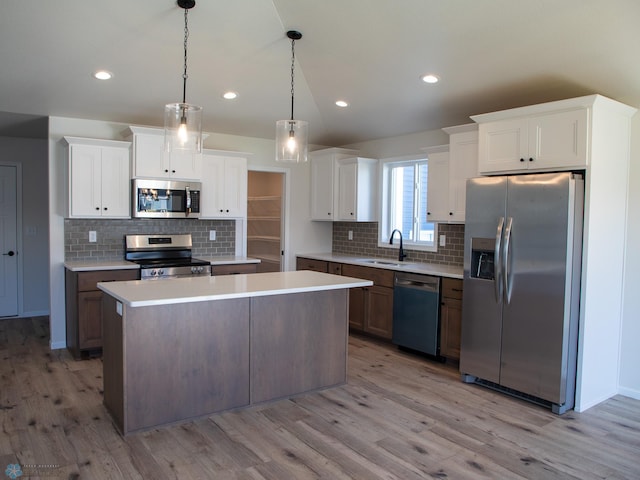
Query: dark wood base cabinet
pixel 450 318
pixel 371 308
pixel 84 308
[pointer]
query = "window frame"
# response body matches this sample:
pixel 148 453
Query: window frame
pixel 384 229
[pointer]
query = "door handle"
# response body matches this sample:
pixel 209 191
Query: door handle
pixel 505 257
pixel 10 253
pixel 497 263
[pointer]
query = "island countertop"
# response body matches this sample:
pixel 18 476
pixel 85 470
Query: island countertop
pixel 142 293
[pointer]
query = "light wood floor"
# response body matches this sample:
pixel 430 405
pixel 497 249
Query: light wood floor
pixel 399 417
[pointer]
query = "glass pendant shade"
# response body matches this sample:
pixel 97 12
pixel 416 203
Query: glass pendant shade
pixel 183 128
pixel 292 141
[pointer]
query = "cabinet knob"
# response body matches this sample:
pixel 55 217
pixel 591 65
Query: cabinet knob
pixel 173 171
pixel 531 159
pixel 105 208
pixel 221 210
pixel 450 213
pixel 428 213
pixel 522 159
pixel 166 171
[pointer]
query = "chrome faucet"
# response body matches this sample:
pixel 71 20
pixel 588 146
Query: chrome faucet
pixel 401 253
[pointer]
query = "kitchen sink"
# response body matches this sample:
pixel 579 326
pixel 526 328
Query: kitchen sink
pixel 384 262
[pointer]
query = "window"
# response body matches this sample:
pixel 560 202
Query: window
pixel 404 203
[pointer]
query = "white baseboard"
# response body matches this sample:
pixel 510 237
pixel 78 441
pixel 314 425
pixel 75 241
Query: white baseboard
pixel 57 345
pixel 629 392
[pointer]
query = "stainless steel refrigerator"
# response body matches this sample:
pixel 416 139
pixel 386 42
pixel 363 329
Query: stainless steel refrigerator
pixel 522 264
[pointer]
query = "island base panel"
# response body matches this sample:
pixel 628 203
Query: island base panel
pixel 298 343
pixel 183 361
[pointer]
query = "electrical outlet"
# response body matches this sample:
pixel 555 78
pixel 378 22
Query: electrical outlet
pixel 212 235
pixel 350 234
pixel 93 237
pixel 443 240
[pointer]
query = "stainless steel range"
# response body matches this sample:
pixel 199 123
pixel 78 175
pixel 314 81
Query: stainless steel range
pixel 164 256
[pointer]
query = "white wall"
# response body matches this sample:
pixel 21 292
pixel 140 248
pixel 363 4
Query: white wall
pixel 629 383
pixel 31 154
pixel 302 234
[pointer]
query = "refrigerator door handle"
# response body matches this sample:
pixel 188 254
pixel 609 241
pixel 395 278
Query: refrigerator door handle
pixel 497 264
pixel 505 257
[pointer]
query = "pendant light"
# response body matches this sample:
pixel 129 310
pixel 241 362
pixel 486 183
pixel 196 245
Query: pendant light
pixel 183 121
pixel 291 135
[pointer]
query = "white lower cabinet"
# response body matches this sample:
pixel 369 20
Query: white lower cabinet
pixel 98 178
pixel 224 184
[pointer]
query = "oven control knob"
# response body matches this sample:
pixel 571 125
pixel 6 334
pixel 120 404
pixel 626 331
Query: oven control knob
pixel 161 271
pixel 153 273
pixel 200 269
pixel 193 270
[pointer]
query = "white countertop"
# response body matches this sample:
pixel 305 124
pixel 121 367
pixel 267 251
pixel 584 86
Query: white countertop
pixel 143 293
pixel 93 265
pixel 390 264
pixel 230 260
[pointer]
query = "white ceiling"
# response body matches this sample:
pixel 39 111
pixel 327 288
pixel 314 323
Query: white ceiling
pixel 490 55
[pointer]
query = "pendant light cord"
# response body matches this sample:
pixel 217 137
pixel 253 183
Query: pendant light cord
pixel 184 75
pixel 293 59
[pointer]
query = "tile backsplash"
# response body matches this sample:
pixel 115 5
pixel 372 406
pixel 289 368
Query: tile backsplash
pixel 110 236
pixel 365 243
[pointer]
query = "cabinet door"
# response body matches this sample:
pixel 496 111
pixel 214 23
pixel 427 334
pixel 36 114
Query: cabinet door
pixel 558 140
pixel 184 166
pixel 116 186
pixel 322 169
pixel 224 187
pixel 438 187
pixel 463 164
pixel 379 315
pixel 148 157
pixel 347 192
pixel 235 196
pixel 503 146
pixel 85 186
pixel 357 308
pixel 450 327
pixel 90 320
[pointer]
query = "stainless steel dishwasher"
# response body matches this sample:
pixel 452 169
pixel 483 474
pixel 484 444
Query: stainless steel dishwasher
pixel 416 312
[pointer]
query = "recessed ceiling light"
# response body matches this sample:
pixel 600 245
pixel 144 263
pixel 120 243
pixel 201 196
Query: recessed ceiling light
pixel 102 75
pixel 430 78
pixel 342 103
pixel 230 95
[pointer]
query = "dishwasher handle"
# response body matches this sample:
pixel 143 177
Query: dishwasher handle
pixel 430 284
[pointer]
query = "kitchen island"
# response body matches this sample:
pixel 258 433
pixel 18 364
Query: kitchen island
pixel 178 349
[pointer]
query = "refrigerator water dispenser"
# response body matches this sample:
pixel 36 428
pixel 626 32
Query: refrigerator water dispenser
pixel 482 257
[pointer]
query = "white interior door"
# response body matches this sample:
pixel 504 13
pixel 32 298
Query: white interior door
pixel 8 242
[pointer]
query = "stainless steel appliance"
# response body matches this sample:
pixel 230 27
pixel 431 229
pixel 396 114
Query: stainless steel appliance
pixel 165 199
pixel 416 312
pixel 520 311
pixel 164 256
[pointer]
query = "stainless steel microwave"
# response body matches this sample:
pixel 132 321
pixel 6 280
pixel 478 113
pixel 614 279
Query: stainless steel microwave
pixel 165 199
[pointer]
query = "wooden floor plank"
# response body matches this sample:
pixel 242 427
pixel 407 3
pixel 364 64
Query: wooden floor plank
pixel 400 416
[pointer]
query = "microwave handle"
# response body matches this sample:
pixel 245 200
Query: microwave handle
pixel 188 201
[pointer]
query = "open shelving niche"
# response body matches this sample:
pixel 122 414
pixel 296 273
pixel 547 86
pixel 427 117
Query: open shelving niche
pixel 264 226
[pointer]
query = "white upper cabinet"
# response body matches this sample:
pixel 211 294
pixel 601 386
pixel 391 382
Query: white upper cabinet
pixel 224 185
pixel 324 178
pixel 151 161
pixel 551 136
pixel 449 169
pixel 438 184
pixel 357 187
pixel 98 178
